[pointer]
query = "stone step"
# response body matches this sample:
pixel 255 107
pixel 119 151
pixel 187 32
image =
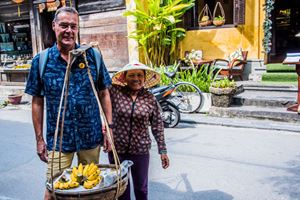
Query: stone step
pixel 265 95
pixel 256 112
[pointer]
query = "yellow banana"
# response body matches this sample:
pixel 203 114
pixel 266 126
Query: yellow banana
pixel 73 184
pixel 75 171
pixel 73 178
pixel 91 184
pixel 98 171
pixel 57 185
pixel 93 176
pixel 85 170
pixel 61 186
pixel 92 170
pixel 66 185
pixel 80 169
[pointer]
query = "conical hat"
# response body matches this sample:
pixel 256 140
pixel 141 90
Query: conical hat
pixel 152 77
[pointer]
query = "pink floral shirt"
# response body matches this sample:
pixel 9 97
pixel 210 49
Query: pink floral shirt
pixel 131 121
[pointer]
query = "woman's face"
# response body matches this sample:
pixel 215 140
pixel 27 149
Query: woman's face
pixel 135 79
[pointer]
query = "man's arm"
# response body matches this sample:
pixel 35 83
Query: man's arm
pixel 37 119
pixel 107 109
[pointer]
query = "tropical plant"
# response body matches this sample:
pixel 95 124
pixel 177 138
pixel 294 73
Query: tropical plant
pixel 157 33
pixel 202 77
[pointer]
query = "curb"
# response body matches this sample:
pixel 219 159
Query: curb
pixel 239 123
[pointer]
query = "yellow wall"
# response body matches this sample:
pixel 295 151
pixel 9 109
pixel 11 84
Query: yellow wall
pixel 220 42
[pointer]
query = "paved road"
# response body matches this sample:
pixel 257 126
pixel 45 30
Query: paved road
pixel 207 163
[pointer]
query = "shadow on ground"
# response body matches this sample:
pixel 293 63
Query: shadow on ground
pixel 290 183
pixel 160 191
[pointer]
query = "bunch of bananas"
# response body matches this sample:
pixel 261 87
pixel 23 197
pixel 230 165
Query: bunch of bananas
pixel 63 184
pixel 88 176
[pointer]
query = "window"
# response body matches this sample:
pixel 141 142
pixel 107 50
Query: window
pixel 234 12
pixel 89 7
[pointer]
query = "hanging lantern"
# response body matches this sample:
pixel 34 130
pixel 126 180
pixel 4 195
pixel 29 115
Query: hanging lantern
pixel 52 6
pixel 18 2
pixel 42 6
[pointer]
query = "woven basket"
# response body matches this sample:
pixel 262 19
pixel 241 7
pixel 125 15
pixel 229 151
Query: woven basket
pixel 204 23
pixel 218 22
pixel 222 13
pixel 205 12
pixel 107 193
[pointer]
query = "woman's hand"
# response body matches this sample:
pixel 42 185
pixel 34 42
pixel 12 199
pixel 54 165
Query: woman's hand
pixel 164 161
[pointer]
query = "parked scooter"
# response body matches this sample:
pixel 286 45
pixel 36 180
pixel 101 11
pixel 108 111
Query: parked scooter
pixel 171 114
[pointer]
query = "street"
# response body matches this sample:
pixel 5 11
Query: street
pixel 206 163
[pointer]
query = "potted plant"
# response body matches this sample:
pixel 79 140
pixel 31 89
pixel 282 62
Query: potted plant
pixel 15 98
pixel 222 92
pixel 219 21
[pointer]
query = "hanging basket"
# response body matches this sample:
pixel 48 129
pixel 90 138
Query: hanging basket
pixel 220 19
pixel 205 17
pixel 106 193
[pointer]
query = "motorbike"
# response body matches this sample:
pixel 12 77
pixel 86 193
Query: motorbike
pixel 171 114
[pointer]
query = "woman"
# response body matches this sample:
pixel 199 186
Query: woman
pixel 134 109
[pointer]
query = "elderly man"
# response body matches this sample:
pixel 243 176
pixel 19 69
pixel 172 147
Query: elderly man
pixel 82 127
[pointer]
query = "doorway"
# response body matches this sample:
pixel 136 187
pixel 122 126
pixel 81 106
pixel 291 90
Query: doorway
pixel 285 29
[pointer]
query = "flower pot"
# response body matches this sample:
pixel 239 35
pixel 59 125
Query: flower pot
pixel 219 22
pixel 222 97
pixel 204 23
pixel 15 98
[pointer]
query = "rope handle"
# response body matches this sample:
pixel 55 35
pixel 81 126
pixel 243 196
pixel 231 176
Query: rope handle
pixel 63 98
pixel 218 4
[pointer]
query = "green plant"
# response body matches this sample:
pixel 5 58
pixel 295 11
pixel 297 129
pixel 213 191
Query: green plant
pixel 267 25
pixel 224 83
pixel 202 78
pixel 164 79
pixel 219 18
pixel 157 33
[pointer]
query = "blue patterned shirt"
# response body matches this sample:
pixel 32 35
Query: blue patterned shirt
pixel 82 126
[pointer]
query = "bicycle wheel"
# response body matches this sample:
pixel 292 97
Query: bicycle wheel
pixel 171 116
pixel 187 97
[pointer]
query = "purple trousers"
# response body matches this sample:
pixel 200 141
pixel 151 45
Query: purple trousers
pixel 139 172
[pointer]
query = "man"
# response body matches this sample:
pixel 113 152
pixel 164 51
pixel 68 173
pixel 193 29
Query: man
pixel 82 125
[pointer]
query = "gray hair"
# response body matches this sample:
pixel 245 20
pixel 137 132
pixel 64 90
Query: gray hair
pixel 64 10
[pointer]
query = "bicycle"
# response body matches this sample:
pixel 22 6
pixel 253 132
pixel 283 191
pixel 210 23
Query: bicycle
pixel 186 96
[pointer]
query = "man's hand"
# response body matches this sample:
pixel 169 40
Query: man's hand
pixel 42 151
pixel 164 161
